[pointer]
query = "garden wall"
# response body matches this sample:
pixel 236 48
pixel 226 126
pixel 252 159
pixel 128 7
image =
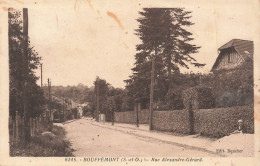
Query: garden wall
pixel 130 117
pixel 219 122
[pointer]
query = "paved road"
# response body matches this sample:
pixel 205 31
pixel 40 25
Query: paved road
pixel 90 140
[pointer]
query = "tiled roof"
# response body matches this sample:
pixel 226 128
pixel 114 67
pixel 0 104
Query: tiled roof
pixel 244 47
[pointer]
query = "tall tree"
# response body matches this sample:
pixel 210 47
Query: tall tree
pixel 164 38
pixel 34 92
pixel 101 91
pixel 15 62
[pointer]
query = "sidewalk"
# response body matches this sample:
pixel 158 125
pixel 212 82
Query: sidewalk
pixel 233 145
pixel 193 142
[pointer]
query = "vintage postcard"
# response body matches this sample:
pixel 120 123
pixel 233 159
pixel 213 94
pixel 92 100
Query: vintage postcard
pixel 98 82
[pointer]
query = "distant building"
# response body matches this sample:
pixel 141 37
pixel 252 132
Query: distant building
pixel 72 104
pixel 68 108
pixel 233 54
pixel 80 112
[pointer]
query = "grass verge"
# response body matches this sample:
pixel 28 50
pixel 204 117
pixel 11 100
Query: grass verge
pixel 52 144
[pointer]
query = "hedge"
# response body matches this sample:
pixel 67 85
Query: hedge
pixel 125 117
pixel 200 98
pixel 219 122
pixel 130 116
pixel 175 121
pixel 143 116
pixel 216 122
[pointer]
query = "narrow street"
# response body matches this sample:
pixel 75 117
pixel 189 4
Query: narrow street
pixel 89 139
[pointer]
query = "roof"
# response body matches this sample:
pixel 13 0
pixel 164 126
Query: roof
pixel 245 48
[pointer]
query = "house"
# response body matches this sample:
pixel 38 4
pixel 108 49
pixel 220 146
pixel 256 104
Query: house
pixel 233 54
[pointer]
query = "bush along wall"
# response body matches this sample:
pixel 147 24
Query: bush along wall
pixel 195 98
pixel 174 121
pixel 215 122
pixel 130 116
pixel 125 117
pixel 198 117
pixel 143 116
pixel 219 122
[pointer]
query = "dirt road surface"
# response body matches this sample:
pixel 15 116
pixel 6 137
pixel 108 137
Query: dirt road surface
pixel 91 140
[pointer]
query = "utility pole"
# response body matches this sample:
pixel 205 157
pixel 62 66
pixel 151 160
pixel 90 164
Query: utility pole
pixel 50 103
pixel 41 74
pixel 137 118
pixel 151 92
pixel 25 75
pixel 64 109
pixel 137 115
pixel 73 93
pixel 98 111
pixel 49 89
pixel 113 117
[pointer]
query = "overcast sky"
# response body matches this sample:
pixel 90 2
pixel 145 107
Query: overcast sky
pixel 84 39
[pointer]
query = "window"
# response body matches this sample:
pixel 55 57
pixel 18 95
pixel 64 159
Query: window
pixel 229 58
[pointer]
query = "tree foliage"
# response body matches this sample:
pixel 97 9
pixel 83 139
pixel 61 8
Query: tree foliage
pixel 77 93
pixel 232 87
pixel 17 75
pixel 101 90
pixel 163 36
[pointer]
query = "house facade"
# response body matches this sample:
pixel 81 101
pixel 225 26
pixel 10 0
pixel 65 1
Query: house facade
pixel 233 54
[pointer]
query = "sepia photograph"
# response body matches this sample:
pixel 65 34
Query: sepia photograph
pixel 103 82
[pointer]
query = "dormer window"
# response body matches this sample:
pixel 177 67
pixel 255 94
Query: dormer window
pixel 233 53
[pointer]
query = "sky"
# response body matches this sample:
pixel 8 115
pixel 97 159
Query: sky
pixel 82 39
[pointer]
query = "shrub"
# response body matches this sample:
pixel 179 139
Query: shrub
pixel 173 100
pixel 174 120
pixel 199 97
pixel 130 116
pixel 45 146
pixel 220 122
pixel 232 87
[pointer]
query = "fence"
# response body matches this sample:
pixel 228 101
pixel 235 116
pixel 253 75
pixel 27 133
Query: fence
pixel 17 127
